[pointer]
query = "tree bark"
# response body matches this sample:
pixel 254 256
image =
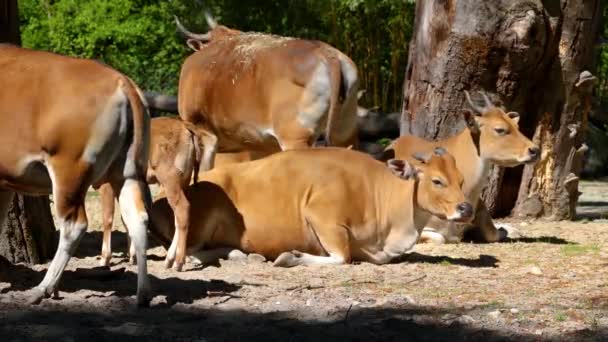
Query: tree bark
pixel 28 233
pixel 527 55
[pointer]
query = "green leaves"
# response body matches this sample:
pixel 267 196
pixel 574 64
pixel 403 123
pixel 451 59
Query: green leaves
pixel 138 37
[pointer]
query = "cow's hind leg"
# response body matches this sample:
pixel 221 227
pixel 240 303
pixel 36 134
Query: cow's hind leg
pixel 134 198
pixel 106 194
pixel 171 182
pixel 69 190
pixel 335 241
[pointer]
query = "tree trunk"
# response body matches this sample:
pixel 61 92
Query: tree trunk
pixel 527 55
pixel 28 233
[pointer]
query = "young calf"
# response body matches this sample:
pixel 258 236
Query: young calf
pixel 493 137
pixel 175 153
pixel 327 205
pixel 67 124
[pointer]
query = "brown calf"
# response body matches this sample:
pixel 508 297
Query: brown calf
pixel 493 137
pixel 174 156
pixel 331 205
pixel 67 124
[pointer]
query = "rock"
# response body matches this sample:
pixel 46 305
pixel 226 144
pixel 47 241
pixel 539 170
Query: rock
pixel 494 314
pixel 514 311
pixel 256 258
pixel 449 317
pixel 538 332
pixel 466 319
pixel 236 255
pixel 309 302
pixel 535 270
pixel 355 303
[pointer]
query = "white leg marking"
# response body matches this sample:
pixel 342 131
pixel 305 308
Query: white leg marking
pixel 433 237
pixel 172 251
pixel 137 223
pixel 295 258
pixel 69 237
pixel 507 231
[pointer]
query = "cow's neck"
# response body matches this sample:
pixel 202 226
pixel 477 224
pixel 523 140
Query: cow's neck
pixel 401 209
pixel 475 169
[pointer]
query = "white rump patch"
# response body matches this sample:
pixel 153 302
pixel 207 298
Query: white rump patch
pixel 315 100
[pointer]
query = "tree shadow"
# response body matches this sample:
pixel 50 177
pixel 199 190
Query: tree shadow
pixel 402 323
pixel 482 261
pixel 120 282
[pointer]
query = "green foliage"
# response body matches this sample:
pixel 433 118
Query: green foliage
pixel 138 37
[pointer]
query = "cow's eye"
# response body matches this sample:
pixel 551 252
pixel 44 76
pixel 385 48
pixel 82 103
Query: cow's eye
pixel 437 182
pixel 500 131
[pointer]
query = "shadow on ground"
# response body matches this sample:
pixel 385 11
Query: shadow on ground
pixel 161 324
pixel 90 244
pixel 119 282
pixel 482 261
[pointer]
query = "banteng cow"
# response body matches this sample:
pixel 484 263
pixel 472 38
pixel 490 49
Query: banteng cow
pixel 69 123
pixel 493 137
pixel 327 205
pixel 253 91
pixel 175 153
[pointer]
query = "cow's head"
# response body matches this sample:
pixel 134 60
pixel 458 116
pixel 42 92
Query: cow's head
pixel 439 190
pixel 197 41
pixel 500 140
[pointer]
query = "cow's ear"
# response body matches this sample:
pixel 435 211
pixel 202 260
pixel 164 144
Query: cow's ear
pixel 402 169
pixel 514 116
pixel 195 44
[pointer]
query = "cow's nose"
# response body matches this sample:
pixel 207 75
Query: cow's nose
pixel 465 209
pixel 534 152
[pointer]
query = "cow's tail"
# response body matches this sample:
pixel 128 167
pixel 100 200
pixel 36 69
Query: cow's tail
pixel 141 127
pixel 335 82
pixel 198 151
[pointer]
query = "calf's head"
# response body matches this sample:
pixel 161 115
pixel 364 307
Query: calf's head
pixel 439 189
pixel 500 140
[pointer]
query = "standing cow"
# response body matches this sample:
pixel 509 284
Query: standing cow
pixel 253 91
pixel 67 124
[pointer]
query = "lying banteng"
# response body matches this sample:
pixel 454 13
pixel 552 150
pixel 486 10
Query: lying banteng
pixel 253 91
pixel 493 137
pixel 67 124
pixel 328 205
pixel 175 153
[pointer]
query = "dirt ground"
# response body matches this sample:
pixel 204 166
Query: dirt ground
pixel 550 284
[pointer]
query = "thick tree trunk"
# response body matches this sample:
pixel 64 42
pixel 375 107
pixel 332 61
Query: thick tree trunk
pixel 28 233
pixel 527 55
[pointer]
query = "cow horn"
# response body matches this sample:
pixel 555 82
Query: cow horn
pixel 478 109
pixel 486 99
pixel 439 151
pixel 198 36
pixel 210 20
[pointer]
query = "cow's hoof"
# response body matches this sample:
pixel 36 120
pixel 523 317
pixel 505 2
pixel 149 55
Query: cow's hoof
pixel 286 259
pixel 507 231
pixel 169 263
pixel 104 262
pixel 178 266
pixel 36 296
pixel 143 301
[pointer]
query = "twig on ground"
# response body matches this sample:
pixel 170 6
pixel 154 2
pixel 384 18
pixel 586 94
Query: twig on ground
pixel 345 321
pixel 306 287
pixel 415 279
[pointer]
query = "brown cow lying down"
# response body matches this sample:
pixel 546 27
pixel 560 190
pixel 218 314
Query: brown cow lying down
pixel 499 142
pixel 317 206
pixel 175 153
pixel 253 91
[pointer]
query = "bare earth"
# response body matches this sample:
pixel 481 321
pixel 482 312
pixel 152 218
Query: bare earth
pixel 550 284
